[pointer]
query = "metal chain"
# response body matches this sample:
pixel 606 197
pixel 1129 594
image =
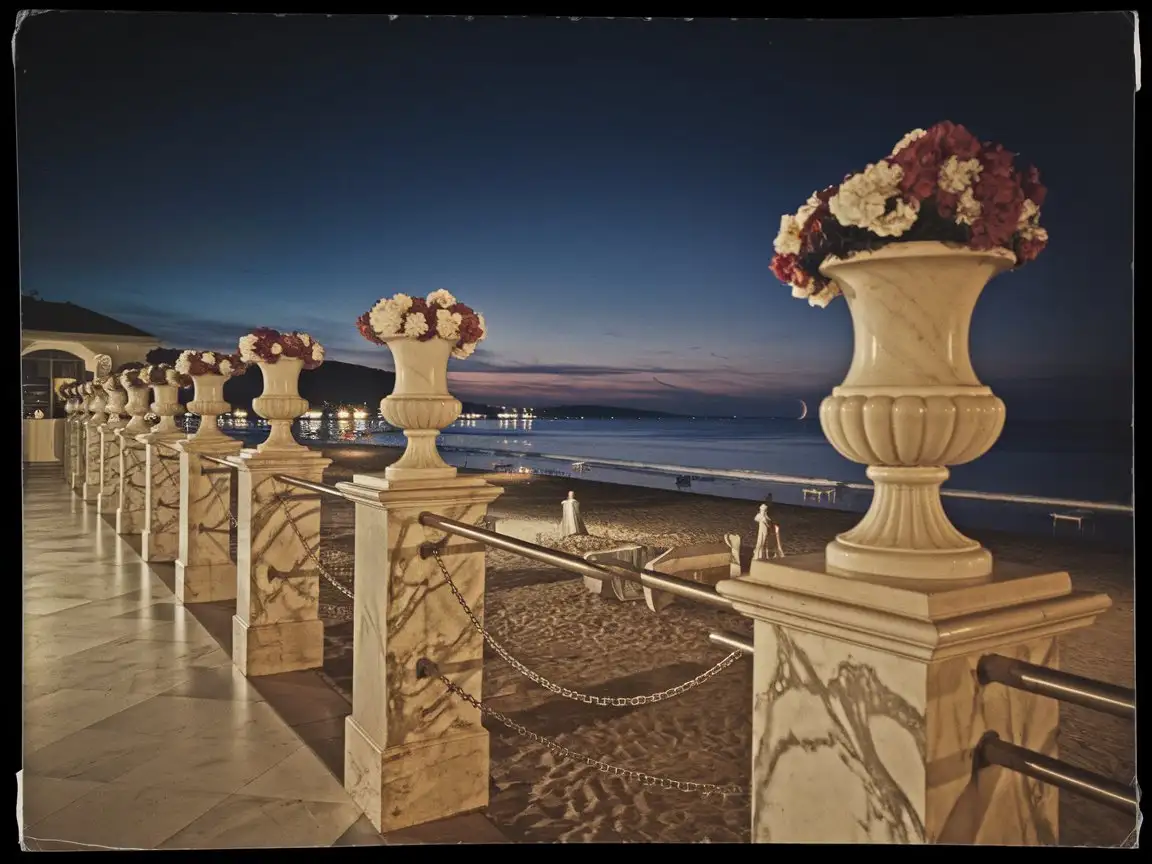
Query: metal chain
pixel 283 499
pixel 575 695
pixel 562 751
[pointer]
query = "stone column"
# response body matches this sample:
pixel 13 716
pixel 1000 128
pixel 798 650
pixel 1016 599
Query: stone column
pixel 130 508
pixel 205 570
pixel 70 408
pixel 76 452
pixel 867 710
pixel 415 753
pixel 160 539
pixel 90 490
pixel 277 626
pixel 109 499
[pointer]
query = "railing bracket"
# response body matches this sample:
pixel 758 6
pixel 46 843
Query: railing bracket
pixel 425 668
pixel 432 547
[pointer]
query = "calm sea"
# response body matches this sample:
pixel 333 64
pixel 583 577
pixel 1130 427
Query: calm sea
pixel 743 458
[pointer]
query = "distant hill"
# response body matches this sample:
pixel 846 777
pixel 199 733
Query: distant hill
pixel 334 383
pixel 599 412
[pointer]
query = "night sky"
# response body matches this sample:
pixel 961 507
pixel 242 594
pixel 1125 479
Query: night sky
pixel 605 192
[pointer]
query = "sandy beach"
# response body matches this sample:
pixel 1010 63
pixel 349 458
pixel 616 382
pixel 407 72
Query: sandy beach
pixel 547 619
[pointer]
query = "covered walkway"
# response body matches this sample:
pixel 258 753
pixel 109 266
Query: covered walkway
pixel 138 731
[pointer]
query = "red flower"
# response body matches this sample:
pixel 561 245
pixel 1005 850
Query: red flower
pixel 365 328
pixel 1028 250
pixel 787 269
pixel 1033 188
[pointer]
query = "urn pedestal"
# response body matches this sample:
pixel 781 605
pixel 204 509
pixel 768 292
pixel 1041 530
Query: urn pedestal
pixel 109 499
pixel 205 569
pixel 421 405
pixel 160 539
pixel 133 465
pixel 90 491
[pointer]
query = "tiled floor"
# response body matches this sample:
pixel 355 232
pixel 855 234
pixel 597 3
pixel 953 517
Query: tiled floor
pixel 138 731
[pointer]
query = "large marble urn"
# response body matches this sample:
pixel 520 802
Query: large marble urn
pixel 280 403
pixel 167 407
pixel 116 400
pixel 97 402
pixel 911 405
pixel 421 405
pixel 136 408
pixel 208 402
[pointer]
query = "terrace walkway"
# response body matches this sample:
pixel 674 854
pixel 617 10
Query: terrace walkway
pixel 138 731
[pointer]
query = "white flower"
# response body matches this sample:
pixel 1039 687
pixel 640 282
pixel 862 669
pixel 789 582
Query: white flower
pixel 463 352
pixel 448 324
pixel 305 339
pixel 387 316
pixel 801 291
pixel 1029 214
pixel 824 297
pixel 208 357
pixel 248 348
pixel 483 326
pixel 894 223
pixel 956 176
pixel 172 376
pixel 277 348
pixel 967 208
pixel 862 199
pixel 184 362
pixel 441 298
pixel 317 353
pixel 788 239
pixel 1034 232
pixel 225 367
pixel 908 139
pixel 402 302
pixel 415 325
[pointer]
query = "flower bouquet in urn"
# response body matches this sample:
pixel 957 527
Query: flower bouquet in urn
pixel 910 242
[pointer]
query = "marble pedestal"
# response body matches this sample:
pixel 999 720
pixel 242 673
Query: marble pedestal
pixel 90 489
pixel 277 627
pixel 160 539
pixel 76 453
pixel 133 483
pixel 109 500
pixel 867 709
pixel 414 753
pixel 205 570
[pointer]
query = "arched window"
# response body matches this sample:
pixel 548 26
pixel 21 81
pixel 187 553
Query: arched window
pixel 43 372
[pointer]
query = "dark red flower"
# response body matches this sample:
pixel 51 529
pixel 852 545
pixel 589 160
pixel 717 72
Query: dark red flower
pixel 1034 190
pixel 364 325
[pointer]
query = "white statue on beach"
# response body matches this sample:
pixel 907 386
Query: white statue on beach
pixel 767 532
pixel 570 521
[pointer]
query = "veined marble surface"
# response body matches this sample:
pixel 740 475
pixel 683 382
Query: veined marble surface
pixel 137 731
pixel 277 626
pixel 133 483
pixel 109 499
pixel 92 474
pixel 160 539
pixel 413 751
pixel 205 570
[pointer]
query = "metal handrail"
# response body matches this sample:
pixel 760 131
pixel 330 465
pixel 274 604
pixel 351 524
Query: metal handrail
pixel 601 571
pixel 217 460
pixel 992 750
pixel 732 641
pixel 308 484
pixel 1056 684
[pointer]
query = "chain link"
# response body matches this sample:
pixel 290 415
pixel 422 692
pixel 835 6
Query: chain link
pixel 567 693
pixel 565 753
pixel 283 499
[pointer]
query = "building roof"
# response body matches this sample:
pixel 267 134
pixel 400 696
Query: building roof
pixel 37 314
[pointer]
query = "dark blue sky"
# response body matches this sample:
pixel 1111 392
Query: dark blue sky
pixel 606 192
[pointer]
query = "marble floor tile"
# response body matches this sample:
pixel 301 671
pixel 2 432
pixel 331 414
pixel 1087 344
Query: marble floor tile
pixel 99 757
pixel 77 709
pixel 302 776
pixel 244 822
pixel 184 716
pixel 114 817
pixel 213 764
pixel 43 796
pixel 362 833
pixel 225 682
pixel 48 605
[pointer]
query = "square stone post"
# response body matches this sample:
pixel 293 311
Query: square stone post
pixel 415 753
pixel 93 476
pixel 133 482
pixel 160 537
pixel 205 570
pixel 277 627
pixel 109 498
pixel 867 710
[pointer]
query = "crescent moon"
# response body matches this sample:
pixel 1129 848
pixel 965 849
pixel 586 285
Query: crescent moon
pixel 804 413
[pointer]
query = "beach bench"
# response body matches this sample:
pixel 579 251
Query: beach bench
pixel 1075 517
pixel 820 494
pixel 707 563
pixel 616 587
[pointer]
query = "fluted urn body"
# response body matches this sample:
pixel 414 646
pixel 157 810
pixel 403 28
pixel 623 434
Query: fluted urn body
pixel 208 401
pixel 136 407
pixel 280 403
pixel 114 406
pixel 911 405
pixel 166 406
pixel 421 405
